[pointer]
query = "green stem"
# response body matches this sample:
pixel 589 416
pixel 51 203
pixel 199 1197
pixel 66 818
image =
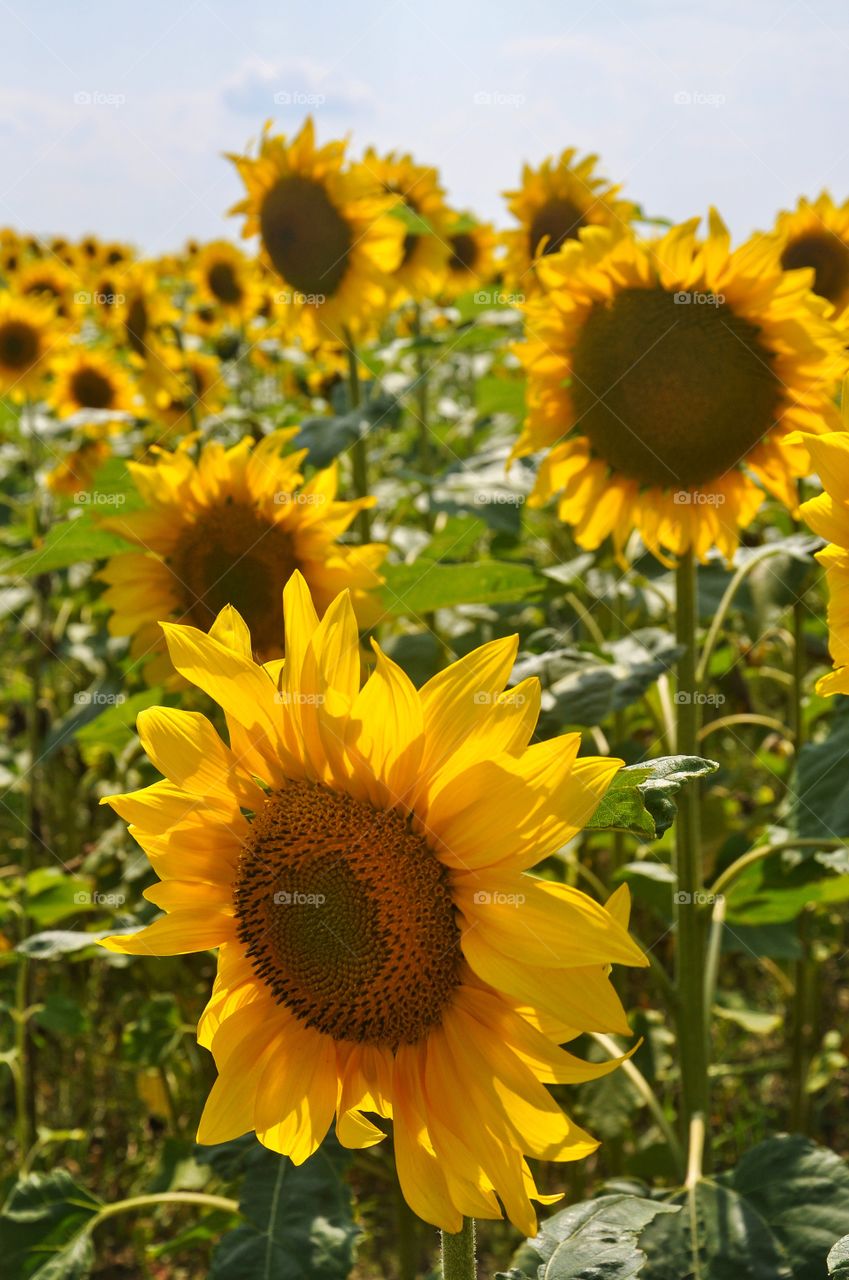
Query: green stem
pixel 359 451
pixel 803 1013
pixel 648 1095
pixel 730 874
pixel 458 1253
pixel 690 949
pixel 167 1197
pixel 425 442
pixel 725 603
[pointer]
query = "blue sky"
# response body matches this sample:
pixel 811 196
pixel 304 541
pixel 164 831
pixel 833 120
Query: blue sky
pixel 113 117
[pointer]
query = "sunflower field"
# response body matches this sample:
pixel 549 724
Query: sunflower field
pixel 425 746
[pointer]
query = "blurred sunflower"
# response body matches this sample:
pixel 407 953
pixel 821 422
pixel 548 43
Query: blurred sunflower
pixel 383 950
pixel 231 528
pixel 471 263
pixel 426 249
pixel 816 235
pixel 828 515
pixel 324 230
pixel 51 282
pixel 79 467
pixel 552 205
pixel 193 390
pixel 141 309
pixel 665 379
pixel 225 279
pixel 28 331
pixel 88 379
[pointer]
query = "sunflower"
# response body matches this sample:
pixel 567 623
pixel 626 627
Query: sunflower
pixel 828 515
pixel 225 279
pixel 192 389
pixel 141 309
pixel 816 235
pixel 27 332
pixel 383 950
pixel 90 380
pixel 552 205
pixel 231 528
pixel 79 467
pixel 324 230
pixel 665 380
pixel 425 251
pixel 51 282
pixel 471 263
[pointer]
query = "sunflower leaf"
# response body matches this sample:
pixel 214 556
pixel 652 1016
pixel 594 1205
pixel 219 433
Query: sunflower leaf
pixel 43 1228
pixel 838 1260
pixel 71 542
pixel 639 799
pixel 419 588
pixel 596 1240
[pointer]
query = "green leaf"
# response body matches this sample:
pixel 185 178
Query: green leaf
pixel 116 725
pixel 838 1260
pixel 59 942
pixel 413 221
pixel 53 895
pixel 732 1240
pixel 42 1228
pixel 596 1240
pixel 820 795
pixel 70 542
pixel 427 585
pixel 299 1222
pixel 639 799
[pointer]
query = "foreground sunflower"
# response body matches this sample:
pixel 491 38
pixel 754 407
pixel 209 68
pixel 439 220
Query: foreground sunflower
pixel 816 234
pixel 828 515
pixel 425 252
pixel 28 331
pixel 665 379
pixel 232 527
pixel 552 205
pixel 383 951
pixel 324 229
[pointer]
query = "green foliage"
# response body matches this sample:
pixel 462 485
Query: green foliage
pixel 42 1228
pixel 639 800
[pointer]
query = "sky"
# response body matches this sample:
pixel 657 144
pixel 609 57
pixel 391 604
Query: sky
pixel 114 117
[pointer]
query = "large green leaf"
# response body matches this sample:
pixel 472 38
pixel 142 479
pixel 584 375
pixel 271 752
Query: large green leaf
pixel 71 542
pixel 299 1222
pixel 427 585
pixel 639 799
pixel 42 1226
pixel 820 795
pixel 597 1240
pixel 838 1260
pixel 774 1217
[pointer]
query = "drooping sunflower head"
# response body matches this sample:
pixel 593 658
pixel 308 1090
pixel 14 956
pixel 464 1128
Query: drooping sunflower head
pixel 225 279
pixel 471 262
pixel 324 229
pixel 426 247
pixel 231 527
pixel 665 380
pixel 554 203
pixel 28 332
pixel 828 515
pixel 87 380
pixel 383 949
pixel 816 235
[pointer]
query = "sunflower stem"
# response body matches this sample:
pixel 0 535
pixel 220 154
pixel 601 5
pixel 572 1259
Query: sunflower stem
pixel 421 415
pixel 359 452
pixel 689 897
pixel 458 1253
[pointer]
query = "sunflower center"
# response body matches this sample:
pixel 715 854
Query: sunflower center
pixel 672 393
pixel 91 389
pixel 347 917
pixel 464 251
pixel 233 555
pixel 224 283
pixel 559 219
pixel 305 236
pixel 829 257
pixel 136 325
pixel 19 344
